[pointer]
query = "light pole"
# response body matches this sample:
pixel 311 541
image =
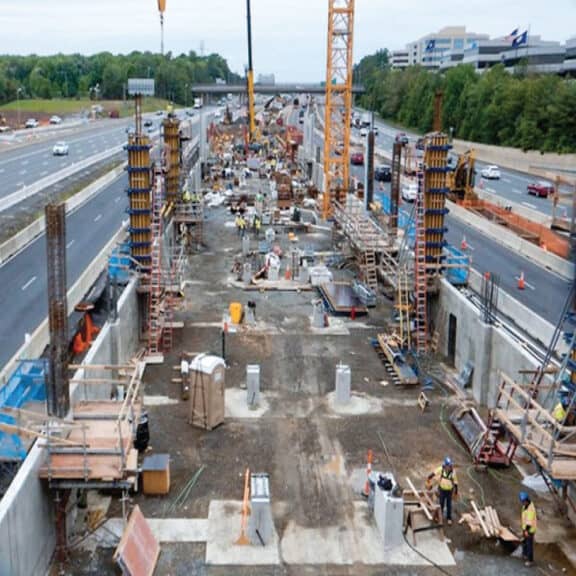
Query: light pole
pixel 186 86
pixel 18 103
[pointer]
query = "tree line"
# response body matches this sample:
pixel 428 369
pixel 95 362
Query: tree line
pixel 527 111
pixel 104 75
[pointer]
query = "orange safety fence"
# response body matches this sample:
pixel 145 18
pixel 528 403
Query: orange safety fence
pixel 537 233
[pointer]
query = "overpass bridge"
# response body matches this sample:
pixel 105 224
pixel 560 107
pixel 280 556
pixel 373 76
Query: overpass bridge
pixel 291 88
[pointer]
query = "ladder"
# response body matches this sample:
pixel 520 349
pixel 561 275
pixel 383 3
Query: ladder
pixel 403 306
pixel 420 275
pixel 155 314
pixel 369 265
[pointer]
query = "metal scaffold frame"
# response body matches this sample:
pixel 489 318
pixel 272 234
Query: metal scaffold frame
pixel 338 103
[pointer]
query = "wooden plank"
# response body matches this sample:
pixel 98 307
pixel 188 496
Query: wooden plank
pixel 479 516
pixel 420 499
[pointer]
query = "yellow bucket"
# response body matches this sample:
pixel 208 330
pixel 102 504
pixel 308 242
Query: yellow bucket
pixel 236 312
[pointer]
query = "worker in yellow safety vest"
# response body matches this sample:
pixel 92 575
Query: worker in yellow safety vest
pixel 447 480
pixel 559 412
pixel 529 522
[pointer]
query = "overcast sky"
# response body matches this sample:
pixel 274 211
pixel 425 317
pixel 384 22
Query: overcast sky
pixel 289 35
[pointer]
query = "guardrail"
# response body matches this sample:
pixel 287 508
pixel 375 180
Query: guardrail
pixel 27 191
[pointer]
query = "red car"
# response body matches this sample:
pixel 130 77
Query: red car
pixel 540 188
pixel 357 158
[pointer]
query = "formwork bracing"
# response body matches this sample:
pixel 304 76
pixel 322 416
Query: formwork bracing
pixel 139 206
pixel 338 103
pixel 58 393
pixel 171 130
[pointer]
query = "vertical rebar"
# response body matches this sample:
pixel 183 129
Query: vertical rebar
pixel 57 393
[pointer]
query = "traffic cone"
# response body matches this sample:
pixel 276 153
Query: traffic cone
pixel 288 273
pixel 521 281
pixel 366 490
pixel 463 244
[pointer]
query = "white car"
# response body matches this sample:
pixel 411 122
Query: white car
pixel 410 191
pixel 60 149
pixel 55 120
pixel 31 123
pixel 363 133
pixel 491 173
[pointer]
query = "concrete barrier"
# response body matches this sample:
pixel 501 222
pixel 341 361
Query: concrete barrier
pixel 40 337
pixel 514 242
pixel 21 239
pixel 39 185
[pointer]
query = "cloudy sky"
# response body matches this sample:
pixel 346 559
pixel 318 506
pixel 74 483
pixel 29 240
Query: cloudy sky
pixel 289 35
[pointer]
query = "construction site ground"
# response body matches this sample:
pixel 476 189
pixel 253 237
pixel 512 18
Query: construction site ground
pixel 314 451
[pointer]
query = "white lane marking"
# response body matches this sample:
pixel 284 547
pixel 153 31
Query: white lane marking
pixel 97 217
pixel 20 184
pixel 44 173
pixel 70 244
pixel 45 163
pixel 516 191
pixel 117 199
pixel 24 162
pixel 1 170
pixel 27 285
pixel 22 172
pixel 507 180
pixel 528 285
pixel 530 205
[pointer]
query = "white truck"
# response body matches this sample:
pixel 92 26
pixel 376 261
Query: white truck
pixel 366 120
pixel 197 103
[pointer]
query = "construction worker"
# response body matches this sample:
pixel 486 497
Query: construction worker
pixel 529 523
pixel 445 476
pixel 242 225
pixel 559 413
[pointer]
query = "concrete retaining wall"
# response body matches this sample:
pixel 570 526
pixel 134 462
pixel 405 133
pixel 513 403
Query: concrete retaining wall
pixel 27 526
pixel 489 348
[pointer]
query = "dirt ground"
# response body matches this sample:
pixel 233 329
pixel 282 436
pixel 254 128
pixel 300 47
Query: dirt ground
pixel 300 440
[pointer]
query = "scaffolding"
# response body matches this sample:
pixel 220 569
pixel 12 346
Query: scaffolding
pixel 171 130
pixel 58 393
pixel 420 271
pixel 338 103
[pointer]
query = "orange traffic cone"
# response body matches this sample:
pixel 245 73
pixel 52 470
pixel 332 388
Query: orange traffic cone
pixel 521 281
pixel 288 273
pixel 463 244
pixel 366 490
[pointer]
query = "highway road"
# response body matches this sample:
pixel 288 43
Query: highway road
pixel 23 298
pixel 512 185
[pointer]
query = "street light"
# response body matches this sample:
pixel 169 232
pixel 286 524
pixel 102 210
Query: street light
pixel 18 103
pixel 186 86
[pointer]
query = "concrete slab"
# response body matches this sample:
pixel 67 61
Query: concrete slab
pixel 358 404
pixel 159 401
pixel 236 406
pixel 358 543
pixel 169 529
pixel 224 522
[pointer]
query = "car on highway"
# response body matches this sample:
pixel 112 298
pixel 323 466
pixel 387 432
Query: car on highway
pixel 402 138
pixel 383 174
pixel 60 149
pixel 31 123
pixel 540 188
pixel 148 123
pixel 490 173
pixel 55 120
pixel 357 158
pixel 409 191
pixel 363 132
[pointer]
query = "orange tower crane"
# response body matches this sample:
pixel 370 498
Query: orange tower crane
pixel 338 103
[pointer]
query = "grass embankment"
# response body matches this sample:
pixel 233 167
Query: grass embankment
pixel 65 107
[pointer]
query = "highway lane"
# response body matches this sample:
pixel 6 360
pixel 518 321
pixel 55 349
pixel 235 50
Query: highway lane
pixel 23 298
pixel 512 186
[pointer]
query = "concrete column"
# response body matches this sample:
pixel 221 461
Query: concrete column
pixel 318 314
pixel 253 384
pixel 260 524
pixel 482 363
pixel 343 379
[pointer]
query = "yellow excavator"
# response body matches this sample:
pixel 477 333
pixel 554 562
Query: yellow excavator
pixel 461 180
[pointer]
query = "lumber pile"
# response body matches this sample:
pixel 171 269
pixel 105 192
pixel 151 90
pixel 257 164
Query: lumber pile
pixel 484 520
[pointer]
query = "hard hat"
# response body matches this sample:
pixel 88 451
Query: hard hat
pixel 523 496
pixel 565 401
pixel 447 461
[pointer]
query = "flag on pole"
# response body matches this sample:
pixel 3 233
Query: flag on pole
pixel 521 39
pixel 512 35
pixel 431 45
